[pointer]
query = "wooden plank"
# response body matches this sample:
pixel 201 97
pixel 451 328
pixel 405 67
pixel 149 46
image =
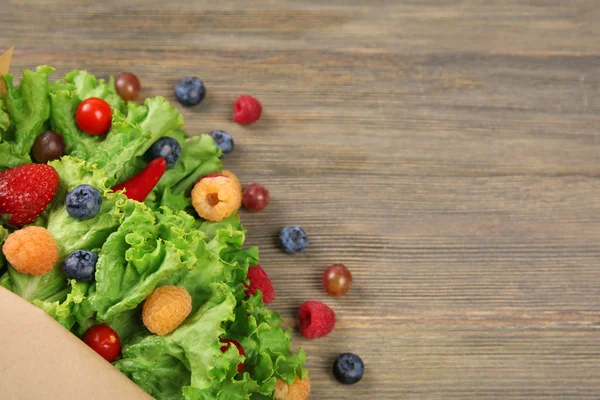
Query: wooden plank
pixel 447 152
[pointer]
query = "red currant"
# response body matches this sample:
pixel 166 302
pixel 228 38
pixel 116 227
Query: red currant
pixel 337 280
pixel 256 197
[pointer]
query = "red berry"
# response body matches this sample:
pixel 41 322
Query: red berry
pixel 259 280
pixel 315 319
pixel 104 340
pixel 256 197
pixel 26 190
pixel 228 342
pixel 337 280
pixel 246 110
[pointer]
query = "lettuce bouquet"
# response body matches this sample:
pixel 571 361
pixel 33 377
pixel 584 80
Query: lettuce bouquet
pixel 142 246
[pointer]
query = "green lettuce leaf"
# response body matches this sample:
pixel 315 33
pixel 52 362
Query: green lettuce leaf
pixel 189 357
pixel 64 101
pixel 28 106
pixel 130 136
pixel 86 85
pixel 176 202
pixel 267 345
pixel 87 234
pixel 63 311
pixel 3 235
pixel 50 287
pixel 132 262
pixel 199 157
pixel 8 159
pixel 4 119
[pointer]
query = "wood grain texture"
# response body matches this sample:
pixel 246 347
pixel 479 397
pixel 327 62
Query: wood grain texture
pixel 448 152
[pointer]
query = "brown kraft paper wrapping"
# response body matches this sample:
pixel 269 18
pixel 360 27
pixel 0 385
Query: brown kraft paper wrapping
pixel 40 359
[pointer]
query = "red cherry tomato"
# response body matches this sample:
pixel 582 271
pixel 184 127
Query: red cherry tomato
pixel 104 340
pixel 240 366
pixel 94 116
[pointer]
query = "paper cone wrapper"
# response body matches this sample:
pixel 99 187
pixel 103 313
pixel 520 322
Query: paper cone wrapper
pixel 40 359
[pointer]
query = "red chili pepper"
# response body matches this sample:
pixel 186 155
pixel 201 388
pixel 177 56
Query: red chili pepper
pixel 139 186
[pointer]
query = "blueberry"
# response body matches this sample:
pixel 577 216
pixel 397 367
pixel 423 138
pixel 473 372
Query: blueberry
pixel 167 148
pixel 81 265
pixel 293 239
pixel 223 140
pixel 83 202
pixel 348 368
pixel 190 91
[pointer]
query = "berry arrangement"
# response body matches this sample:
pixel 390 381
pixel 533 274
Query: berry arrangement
pixel 27 191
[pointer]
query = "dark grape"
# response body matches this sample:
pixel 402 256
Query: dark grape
pixel 128 86
pixel 47 147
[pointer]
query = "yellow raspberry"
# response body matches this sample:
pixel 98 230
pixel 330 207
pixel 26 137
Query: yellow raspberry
pixel 216 198
pixel 299 390
pixel 233 177
pixel 31 250
pixel 166 308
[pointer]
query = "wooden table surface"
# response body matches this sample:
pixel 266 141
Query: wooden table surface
pixel 448 152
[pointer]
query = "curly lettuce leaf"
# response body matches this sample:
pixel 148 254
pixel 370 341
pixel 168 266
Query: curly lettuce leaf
pixel 187 361
pixel 267 345
pixel 50 287
pixel 3 235
pixel 176 202
pixel 87 234
pixel 131 135
pixel 199 157
pixel 28 106
pixel 64 101
pixel 4 119
pixel 62 312
pixel 86 85
pixel 132 262
pixel 9 159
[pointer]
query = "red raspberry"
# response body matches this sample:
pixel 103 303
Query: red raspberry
pixel 26 190
pixel 259 280
pixel 315 319
pixel 246 110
